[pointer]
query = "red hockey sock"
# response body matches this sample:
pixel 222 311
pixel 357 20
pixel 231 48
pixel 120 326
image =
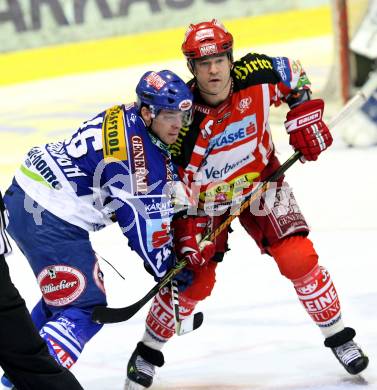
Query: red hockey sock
pixel 298 261
pixel 317 293
pixel 160 319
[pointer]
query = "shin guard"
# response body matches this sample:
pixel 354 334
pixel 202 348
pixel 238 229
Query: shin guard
pixel 317 294
pixel 160 319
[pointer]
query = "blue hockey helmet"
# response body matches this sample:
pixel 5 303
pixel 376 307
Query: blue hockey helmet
pixel 164 90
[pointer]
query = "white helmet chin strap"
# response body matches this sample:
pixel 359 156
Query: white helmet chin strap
pixel 153 111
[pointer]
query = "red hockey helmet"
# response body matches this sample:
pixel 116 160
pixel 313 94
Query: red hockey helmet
pixel 207 39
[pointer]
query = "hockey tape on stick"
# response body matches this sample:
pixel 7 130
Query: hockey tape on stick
pixel 187 324
pixel 107 315
pixel 175 301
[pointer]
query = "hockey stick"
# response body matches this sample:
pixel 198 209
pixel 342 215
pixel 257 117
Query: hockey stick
pixel 187 324
pixel 99 257
pixel 107 315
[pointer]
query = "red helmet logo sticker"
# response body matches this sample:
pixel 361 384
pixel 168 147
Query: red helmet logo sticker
pixel 61 284
pixel 208 50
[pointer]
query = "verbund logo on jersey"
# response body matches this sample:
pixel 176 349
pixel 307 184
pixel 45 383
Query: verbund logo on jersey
pixel 61 284
pixel 236 132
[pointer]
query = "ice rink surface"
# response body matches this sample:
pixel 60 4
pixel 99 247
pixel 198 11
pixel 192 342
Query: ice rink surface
pixel 255 335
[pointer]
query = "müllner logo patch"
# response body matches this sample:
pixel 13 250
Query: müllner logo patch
pixel 155 81
pixel 61 284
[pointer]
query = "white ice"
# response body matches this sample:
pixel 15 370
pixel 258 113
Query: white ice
pixel 255 334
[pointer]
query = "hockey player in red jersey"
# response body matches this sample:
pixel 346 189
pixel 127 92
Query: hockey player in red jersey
pixel 226 149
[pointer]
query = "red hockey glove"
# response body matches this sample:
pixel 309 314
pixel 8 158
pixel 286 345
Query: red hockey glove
pixel 307 132
pixel 187 234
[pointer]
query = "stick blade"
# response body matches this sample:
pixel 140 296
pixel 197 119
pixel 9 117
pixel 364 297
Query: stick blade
pixel 190 324
pixel 108 315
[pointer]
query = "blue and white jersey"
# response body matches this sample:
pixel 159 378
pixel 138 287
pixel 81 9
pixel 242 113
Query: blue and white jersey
pixel 111 169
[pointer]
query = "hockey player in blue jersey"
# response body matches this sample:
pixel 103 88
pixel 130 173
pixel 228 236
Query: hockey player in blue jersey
pixel 116 167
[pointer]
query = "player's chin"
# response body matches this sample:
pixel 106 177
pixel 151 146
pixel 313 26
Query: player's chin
pixel 215 86
pixel 171 138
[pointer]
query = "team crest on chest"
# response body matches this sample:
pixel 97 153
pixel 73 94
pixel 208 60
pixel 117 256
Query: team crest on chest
pixel 244 104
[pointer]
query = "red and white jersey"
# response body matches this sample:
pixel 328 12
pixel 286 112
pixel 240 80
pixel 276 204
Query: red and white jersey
pixel 227 147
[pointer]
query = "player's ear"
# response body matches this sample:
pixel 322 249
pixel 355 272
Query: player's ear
pixel 146 114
